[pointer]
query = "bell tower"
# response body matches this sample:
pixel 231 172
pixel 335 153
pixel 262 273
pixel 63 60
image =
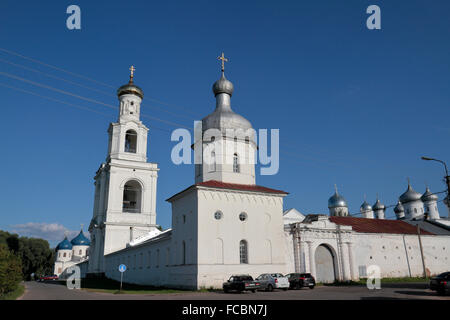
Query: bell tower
pixel 125 185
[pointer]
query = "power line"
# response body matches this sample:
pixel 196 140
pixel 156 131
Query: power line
pixel 54 77
pixel 54 67
pixel 83 77
pixel 86 87
pixel 86 99
pixel 55 100
pixel 55 89
pixel 69 104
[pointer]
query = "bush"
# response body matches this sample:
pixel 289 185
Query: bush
pixel 10 271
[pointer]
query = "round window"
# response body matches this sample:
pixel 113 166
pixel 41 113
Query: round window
pixel 218 215
pixel 243 216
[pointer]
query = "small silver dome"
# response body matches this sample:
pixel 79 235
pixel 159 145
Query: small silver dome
pixel 223 116
pixel 223 86
pixel 429 196
pixel 409 195
pixel 365 207
pixel 378 205
pixel 399 208
pixel 336 201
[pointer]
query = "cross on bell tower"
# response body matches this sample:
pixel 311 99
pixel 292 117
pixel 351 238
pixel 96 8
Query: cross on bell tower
pixel 132 69
pixel 222 57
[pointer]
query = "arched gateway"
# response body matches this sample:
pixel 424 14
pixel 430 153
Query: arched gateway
pixel 325 266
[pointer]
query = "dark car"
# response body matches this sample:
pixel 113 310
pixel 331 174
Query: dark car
pixel 300 280
pixel 241 283
pixel 441 283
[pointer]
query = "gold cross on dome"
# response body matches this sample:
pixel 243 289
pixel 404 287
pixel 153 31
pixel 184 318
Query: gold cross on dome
pixel 132 69
pixel 222 57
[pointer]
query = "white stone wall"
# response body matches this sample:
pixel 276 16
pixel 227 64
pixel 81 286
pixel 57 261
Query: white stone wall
pixel 212 246
pixel 218 240
pixel 151 263
pixel 399 255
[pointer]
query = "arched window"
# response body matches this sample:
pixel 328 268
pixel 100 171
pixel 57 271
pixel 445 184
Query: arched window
pixel 130 141
pixel 236 163
pixel 243 251
pixel 183 251
pixel 132 197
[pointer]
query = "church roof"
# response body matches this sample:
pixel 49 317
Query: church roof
pixel 365 225
pixel 64 245
pixel 80 240
pixel 232 186
pixel 409 195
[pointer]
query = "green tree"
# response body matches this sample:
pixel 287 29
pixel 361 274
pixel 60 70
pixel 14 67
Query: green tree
pixel 10 270
pixel 36 256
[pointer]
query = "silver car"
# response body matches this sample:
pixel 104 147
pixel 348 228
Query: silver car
pixel 270 281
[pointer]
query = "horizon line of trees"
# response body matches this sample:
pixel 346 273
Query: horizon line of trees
pixel 22 257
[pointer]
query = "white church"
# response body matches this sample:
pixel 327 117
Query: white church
pixel 226 224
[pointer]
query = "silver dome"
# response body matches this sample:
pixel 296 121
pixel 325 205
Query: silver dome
pixel 223 116
pixel 429 196
pixel 223 86
pixel 336 201
pixel 365 207
pixel 399 208
pixel 409 195
pixel 378 205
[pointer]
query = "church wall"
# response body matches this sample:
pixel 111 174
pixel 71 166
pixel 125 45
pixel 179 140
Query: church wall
pixel 290 253
pixel 185 229
pixel 399 255
pixel 153 264
pixel 219 240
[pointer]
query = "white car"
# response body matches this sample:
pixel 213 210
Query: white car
pixel 270 281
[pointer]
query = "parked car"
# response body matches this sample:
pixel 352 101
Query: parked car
pixel 46 278
pixel 300 280
pixel 441 283
pixel 241 282
pixel 270 281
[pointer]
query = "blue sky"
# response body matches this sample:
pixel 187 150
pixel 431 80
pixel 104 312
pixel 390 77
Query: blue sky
pixel 355 107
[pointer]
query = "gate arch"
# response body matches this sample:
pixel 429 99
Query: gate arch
pixel 324 259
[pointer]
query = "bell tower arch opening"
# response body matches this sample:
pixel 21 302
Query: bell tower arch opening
pixel 132 194
pixel 131 141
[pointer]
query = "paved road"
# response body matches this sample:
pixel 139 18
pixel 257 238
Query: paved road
pixel 55 291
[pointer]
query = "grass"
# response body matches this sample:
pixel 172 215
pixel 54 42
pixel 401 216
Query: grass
pixel 14 295
pixel 363 281
pixel 112 286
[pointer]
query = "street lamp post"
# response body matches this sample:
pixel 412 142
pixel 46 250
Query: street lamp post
pixel 447 180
